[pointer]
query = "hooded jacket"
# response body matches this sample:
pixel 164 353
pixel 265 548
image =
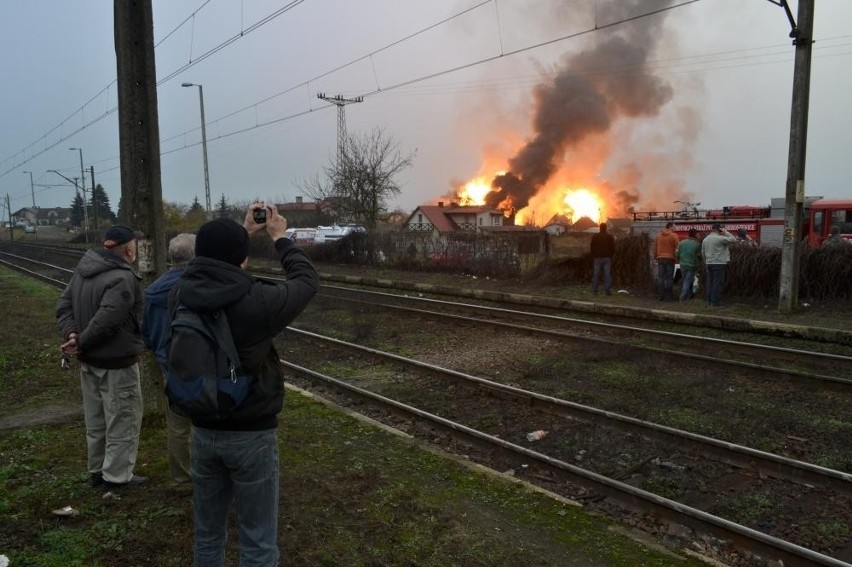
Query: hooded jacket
pixel 155 323
pixel 103 305
pixel 257 311
pixel 665 245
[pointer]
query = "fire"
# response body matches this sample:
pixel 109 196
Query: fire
pixel 474 191
pixel 584 203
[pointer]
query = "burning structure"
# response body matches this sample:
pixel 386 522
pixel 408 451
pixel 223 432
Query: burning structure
pixel 564 167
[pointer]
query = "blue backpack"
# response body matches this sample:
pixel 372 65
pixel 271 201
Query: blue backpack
pixel 205 379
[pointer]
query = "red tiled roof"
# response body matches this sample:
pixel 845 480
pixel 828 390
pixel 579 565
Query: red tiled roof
pixel 436 216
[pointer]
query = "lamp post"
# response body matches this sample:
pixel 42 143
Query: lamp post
pixel 203 144
pixel 83 185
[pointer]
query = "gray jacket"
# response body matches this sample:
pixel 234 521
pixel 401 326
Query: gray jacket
pixel 103 305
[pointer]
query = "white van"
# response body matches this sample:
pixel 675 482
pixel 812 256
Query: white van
pixel 301 236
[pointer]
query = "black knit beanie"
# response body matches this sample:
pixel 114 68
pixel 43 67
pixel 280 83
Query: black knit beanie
pixel 222 239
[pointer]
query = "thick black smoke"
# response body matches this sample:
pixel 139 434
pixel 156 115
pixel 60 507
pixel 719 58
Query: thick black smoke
pixel 591 90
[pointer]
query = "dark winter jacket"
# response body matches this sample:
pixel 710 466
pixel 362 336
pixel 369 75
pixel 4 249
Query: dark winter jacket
pixel 603 245
pixel 257 311
pixel 157 319
pixel 103 305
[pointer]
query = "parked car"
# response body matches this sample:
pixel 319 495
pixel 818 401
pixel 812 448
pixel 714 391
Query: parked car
pixel 30 229
pixel 326 234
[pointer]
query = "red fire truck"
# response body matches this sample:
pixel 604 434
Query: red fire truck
pixel 763 224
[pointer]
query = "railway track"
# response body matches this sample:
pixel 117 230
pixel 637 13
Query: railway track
pixel 657 454
pixel 797 364
pixel 576 433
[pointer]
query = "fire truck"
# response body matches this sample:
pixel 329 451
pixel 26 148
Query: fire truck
pixel 762 224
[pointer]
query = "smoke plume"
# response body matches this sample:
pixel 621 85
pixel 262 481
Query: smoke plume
pixel 590 91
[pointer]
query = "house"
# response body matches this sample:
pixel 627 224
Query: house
pixel 25 216
pixel 558 224
pixel 441 220
pixel 52 216
pixel 301 213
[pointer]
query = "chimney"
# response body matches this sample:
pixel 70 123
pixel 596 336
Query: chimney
pixel 440 203
pixel 299 199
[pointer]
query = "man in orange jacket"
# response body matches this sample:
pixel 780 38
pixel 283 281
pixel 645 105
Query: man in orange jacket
pixel 665 248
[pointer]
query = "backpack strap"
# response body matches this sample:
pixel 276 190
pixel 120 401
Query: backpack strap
pixel 220 328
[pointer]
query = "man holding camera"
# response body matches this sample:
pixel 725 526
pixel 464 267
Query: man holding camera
pixel 236 459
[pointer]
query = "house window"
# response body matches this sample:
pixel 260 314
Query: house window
pixel 419 218
pixel 480 222
pixel 495 221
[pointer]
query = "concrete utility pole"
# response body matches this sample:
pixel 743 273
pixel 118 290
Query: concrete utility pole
pixel 139 143
pixel 794 196
pixel 203 146
pixel 9 210
pixel 139 132
pixel 94 202
pixel 341 103
pixel 32 186
pixel 85 204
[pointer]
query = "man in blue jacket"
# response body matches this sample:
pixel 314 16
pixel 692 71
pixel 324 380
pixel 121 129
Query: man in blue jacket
pixel 155 333
pixel 236 459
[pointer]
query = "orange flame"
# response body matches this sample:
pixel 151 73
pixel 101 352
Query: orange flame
pixel 555 199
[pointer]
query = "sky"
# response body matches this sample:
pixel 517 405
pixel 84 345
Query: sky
pixel 695 105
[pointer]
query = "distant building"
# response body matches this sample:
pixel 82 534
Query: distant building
pixel 26 215
pixel 440 220
pixel 301 213
pixel 558 224
pixel 53 216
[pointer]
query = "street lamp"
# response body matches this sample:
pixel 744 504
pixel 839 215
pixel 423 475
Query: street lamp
pixel 203 143
pixel 83 185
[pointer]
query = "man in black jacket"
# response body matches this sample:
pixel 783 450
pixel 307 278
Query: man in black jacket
pixel 237 459
pixel 602 249
pixel 99 316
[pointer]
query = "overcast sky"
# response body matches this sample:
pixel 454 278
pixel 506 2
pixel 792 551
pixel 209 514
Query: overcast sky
pixel 720 135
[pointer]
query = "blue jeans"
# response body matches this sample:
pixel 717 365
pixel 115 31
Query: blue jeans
pixel 665 275
pixel 686 282
pixel 606 265
pixel 715 282
pixel 239 466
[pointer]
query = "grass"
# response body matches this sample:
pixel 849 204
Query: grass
pixel 351 494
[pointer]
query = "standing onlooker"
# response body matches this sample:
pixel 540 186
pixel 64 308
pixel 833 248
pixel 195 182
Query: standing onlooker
pixel 237 459
pixel 156 333
pixel 603 248
pixel 834 238
pixel 744 238
pixel 687 255
pixel 716 250
pixel 665 248
pixel 99 315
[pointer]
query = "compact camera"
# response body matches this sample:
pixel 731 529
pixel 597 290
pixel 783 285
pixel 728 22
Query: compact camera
pixel 260 215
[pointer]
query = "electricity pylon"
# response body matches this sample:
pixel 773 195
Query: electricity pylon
pixel 340 102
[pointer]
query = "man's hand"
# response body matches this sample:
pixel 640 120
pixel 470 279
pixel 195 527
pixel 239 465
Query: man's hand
pixel 276 225
pixel 70 347
pixel 250 225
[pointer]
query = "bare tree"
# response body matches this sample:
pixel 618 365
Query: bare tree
pixel 360 182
